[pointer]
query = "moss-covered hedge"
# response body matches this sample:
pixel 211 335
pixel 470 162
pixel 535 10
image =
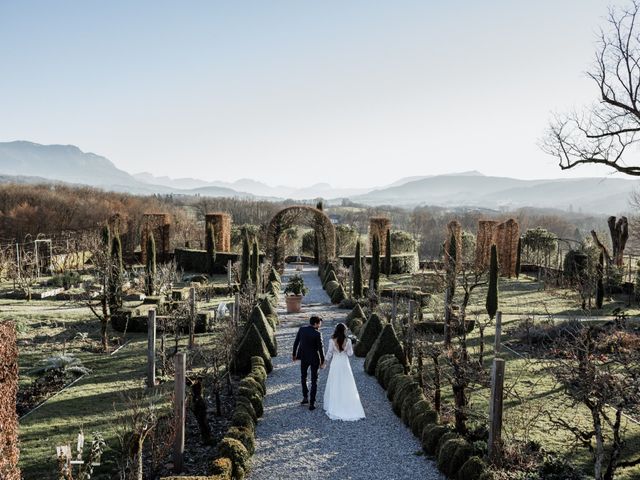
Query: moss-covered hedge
pixel 125 319
pixel 251 345
pixel 192 260
pixel 331 287
pixel 239 455
pixel 258 319
pixel 438 327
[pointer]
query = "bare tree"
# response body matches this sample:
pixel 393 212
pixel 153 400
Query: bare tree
pixel 604 132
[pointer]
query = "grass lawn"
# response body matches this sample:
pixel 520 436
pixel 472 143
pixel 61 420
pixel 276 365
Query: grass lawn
pixel 532 393
pixel 98 401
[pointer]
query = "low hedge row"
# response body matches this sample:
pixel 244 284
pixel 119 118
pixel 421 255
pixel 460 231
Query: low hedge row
pixel 400 263
pixel 454 455
pixel 331 285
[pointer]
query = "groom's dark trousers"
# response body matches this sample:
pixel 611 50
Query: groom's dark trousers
pixel 309 350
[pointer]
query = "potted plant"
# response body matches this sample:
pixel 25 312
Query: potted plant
pixel 294 291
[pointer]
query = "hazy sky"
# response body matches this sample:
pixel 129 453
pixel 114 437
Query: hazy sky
pixel 353 93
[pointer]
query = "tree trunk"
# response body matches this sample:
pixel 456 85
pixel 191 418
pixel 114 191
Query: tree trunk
pixel 436 384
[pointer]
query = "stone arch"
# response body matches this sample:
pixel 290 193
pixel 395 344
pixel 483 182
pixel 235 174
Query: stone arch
pixel 300 215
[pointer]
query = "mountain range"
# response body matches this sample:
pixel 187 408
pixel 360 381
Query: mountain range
pixel 27 162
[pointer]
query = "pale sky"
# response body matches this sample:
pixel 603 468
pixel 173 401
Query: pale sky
pixel 353 93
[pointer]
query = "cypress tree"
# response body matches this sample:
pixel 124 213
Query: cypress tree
pixel 255 260
pixel 492 292
pixel 518 256
pixel 452 261
pixel 151 263
pixel 375 262
pixel 600 282
pixel 210 242
pixel 316 237
pixel 357 272
pixel 387 254
pixel 115 297
pixel 246 259
pixel 106 236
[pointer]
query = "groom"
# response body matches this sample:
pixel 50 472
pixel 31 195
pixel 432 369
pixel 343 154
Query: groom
pixel 309 350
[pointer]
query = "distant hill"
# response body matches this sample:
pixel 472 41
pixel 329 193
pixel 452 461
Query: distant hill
pixel 598 195
pixel 27 162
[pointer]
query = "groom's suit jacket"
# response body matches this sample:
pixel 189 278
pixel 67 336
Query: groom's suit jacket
pixel 308 346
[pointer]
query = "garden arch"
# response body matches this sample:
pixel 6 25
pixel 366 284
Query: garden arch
pixel 300 215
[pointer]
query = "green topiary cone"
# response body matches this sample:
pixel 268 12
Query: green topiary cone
pixel 251 345
pixel 368 335
pixel 387 342
pixel 258 319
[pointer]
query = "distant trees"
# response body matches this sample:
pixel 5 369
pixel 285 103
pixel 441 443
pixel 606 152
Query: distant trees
pixel 605 132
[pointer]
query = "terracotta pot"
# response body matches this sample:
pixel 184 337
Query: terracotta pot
pixel 294 303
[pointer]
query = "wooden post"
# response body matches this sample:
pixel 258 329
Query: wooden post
pixel 351 281
pixel 151 349
pixel 495 410
pixel 496 344
pixel 236 308
pixel 229 273
pixel 260 286
pixel 394 305
pixel 180 413
pixel 192 317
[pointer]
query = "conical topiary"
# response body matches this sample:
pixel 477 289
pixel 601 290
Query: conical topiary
pixel 331 277
pixel 356 312
pixel 274 276
pixel 331 287
pixel 254 264
pixel 258 319
pixel 251 345
pixel 266 307
pixel 338 295
pixel 368 335
pixel 492 290
pixel 387 342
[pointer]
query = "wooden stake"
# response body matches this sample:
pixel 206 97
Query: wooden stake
pixel 151 349
pixel 179 402
pixel 495 410
pixel 496 345
pixel 394 305
pixel 192 317
pixel 229 273
pixel 236 310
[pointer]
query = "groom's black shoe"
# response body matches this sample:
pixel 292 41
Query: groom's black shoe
pixel 312 407
pixel 304 401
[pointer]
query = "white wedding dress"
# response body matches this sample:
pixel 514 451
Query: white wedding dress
pixel 341 398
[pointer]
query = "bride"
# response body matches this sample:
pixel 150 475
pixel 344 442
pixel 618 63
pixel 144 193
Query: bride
pixel 341 398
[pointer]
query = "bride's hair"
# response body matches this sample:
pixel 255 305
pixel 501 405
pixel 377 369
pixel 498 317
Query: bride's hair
pixel 340 335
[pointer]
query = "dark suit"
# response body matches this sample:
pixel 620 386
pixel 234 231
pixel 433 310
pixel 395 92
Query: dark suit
pixel 309 350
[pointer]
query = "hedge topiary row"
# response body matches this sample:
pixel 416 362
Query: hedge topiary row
pixel 454 455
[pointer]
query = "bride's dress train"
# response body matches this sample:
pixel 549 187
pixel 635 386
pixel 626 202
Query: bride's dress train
pixel 341 398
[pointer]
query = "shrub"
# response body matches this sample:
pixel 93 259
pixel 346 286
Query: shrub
pixel 390 372
pixel 273 290
pixel 357 312
pixel 387 342
pixel 245 436
pixel 244 404
pixel 492 289
pixel 402 393
pixel 472 469
pixel 368 336
pixel 221 469
pixel 251 382
pixel 444 439
pixel 274 276
pixel 267 307
pixel 452 456
pixel 331 277
pixel 241 418
pixel 234 450
pixel 331 287
pixel 396 383
pixel 357 272
pixel 66 279
pixel 254 397
pixel 384 362
pixel 338 295
pixel 406 408
pixel 251 345
pixel 431 434
pixel 258 319
pixel 422 419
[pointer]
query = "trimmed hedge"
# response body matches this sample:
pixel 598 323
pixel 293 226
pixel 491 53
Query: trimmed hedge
pixel 402 393
pixel 124 319
pixel 251 345
pixel 390 372
pixel 406 407
pixel 438 327
pixel 331 287
pixel 397 382
pixel 198 261
pixel 356 312
pixel 222 469
pixel 472 469
pixel 368 336
pixel 236 451
pixel 448 455
pixel 386 343
pixel 430 437
pixel 330 277
pixel 244 404
pixel 355 325
pixel 400 263
pixel 338 295
pixel 267 307
pixel 258 319
pixel 244 436
pixel 254 397
pixel 385 362
pixel 250 382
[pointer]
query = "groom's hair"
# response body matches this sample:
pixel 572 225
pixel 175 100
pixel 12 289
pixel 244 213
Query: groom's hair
pixel 315 320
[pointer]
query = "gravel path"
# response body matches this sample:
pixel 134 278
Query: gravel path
pixel 293 442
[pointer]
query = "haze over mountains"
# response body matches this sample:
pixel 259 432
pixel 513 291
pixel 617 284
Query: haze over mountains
pixel 28 162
